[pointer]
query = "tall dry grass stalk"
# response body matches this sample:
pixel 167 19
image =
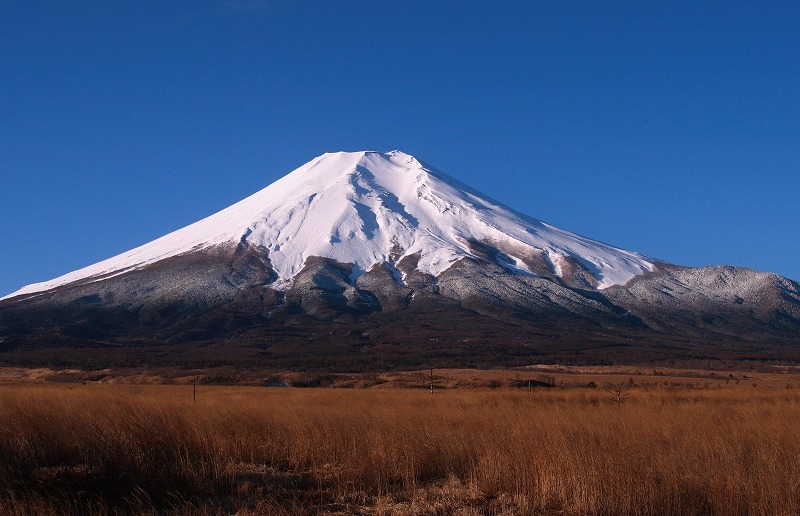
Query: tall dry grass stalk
pixel 101 448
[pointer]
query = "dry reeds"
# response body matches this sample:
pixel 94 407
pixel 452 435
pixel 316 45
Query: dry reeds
pixel 129 449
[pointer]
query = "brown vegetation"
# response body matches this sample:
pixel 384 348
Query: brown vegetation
pixel 690 375
pixel 71 448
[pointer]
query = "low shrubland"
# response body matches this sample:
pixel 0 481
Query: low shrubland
pixel 97 449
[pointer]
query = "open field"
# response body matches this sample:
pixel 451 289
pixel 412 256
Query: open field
pixel 598 376
pixel 700 375
pixel 98 448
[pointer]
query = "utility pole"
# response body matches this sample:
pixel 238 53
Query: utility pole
pixel 431 380
pixel 194 390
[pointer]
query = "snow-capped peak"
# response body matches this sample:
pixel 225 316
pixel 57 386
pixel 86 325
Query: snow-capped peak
pixel 371 207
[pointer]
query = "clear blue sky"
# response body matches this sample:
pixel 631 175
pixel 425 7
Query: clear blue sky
pixel 672 129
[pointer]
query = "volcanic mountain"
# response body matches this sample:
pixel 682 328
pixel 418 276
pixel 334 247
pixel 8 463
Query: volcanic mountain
pixel 374 251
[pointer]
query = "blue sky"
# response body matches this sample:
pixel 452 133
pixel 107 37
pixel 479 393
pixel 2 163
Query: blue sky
pixel 671 129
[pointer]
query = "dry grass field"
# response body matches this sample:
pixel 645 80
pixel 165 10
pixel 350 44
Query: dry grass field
pixel 100 448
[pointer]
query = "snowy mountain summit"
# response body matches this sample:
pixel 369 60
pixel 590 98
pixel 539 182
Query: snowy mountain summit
pixel 368 208
pixel 363 257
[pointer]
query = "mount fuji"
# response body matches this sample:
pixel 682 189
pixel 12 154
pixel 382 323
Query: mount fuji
pixel 369 208
pixel 381 253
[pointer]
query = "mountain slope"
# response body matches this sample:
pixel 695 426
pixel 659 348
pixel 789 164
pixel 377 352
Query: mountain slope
pixel 367 208
pixel 377 259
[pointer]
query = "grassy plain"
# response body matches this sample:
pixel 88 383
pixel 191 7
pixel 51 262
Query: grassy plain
pixel 723 448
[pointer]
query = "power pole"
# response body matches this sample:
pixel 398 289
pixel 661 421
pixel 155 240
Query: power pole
pixel 431 380
pixel 194 390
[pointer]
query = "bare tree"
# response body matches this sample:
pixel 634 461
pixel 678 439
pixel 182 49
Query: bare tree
pixel 618 392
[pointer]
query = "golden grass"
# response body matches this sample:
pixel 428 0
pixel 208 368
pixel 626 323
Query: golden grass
pixel 131 449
